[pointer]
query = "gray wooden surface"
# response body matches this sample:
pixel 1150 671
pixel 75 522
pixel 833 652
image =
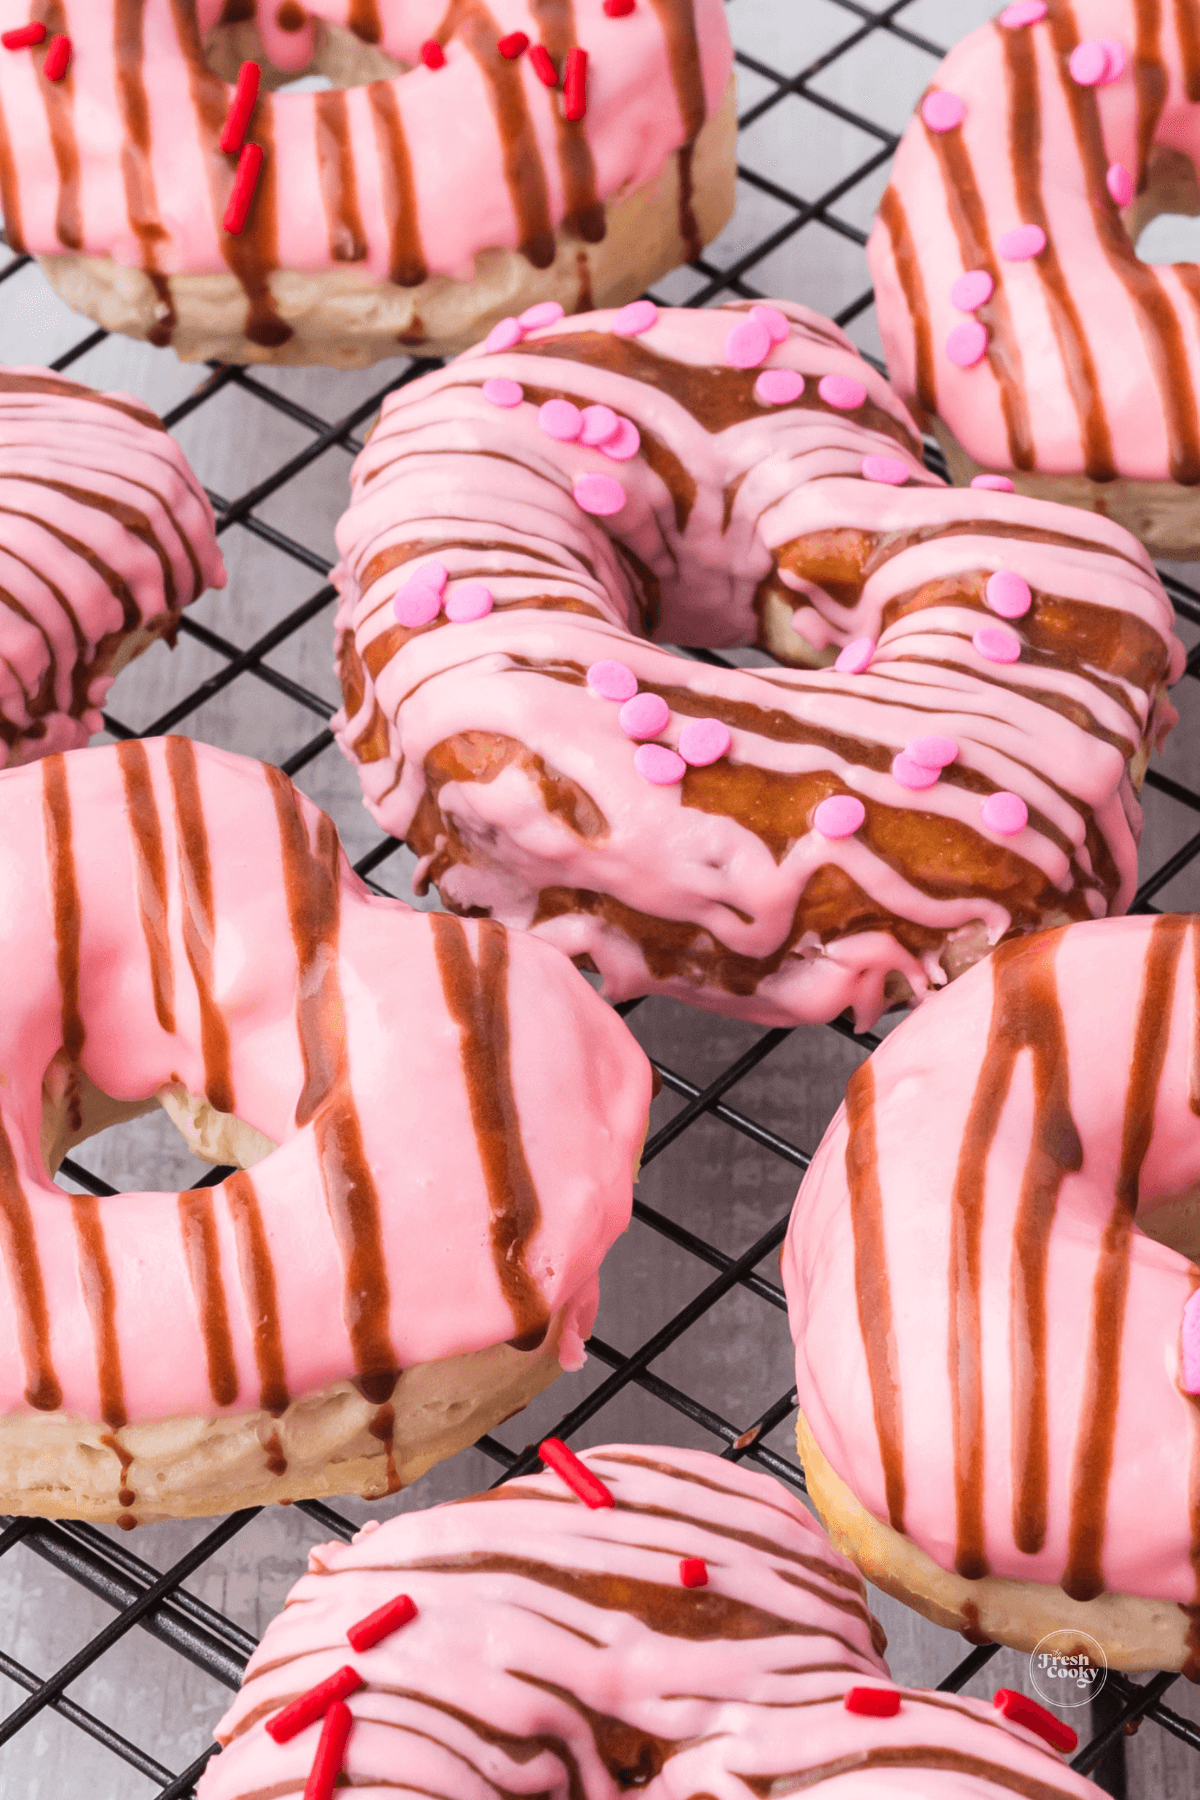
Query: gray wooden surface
pixel 712 1180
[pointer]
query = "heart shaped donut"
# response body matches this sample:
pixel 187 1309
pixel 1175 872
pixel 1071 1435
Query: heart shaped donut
pixel 776 844
pixel 443 1122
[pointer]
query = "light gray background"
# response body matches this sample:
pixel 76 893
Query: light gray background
pixel 712 1180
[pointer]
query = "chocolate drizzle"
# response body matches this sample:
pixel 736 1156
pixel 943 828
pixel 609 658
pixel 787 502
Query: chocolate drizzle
pixel 99 1294
pixel 406 259
pixel 257 1272
pixel 18 1246
pixel 64 890
pixel 141 202
pixel 58 97
pixel 912 284
pixel 873 1287
pixel 339 185
pixel 150 874
pixel 584 213
pixel 202 1250
pixel 199 922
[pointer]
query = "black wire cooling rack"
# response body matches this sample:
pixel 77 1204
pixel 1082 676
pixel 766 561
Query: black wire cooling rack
pixel 825 87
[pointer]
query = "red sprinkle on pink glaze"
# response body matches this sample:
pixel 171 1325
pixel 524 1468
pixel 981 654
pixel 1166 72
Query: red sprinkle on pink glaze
pixel 575 85
pixel 839 816
pixel 514 45
pixel 381 1623
pixel 561 420
pixel 598 494
pixel 245 181
pixel 997 645
pixel 432 54
pixel 1004 813
pixel 1119 183
pixel 619 9
pixel 971 290
pixel 58 58
pixel 1021 243
pixel 542 66
pixel 704 741
pixel 644 716
pixel 625 442
pixel 331 1746
pixel 654 762
pixel 1023 12
pixel 1088 63
pixel 778 387
pixel 942 111
pixel 612 680
pixel 933 752
pixel 748 343
pixel 498 390
pixel 888 469
pixel 541 314
pixel 314 1704
pixel 635 318
pixel 775 322
pixel 872 1702
pixel 504 335
pixel 245 94
pixel 578 1477
pixel 855 657
pixel 693 1571
pixel 24 37
pixel 967 344
pixel 1007 593
pixel 841 391
pixel 469 602
pixel 1190 1345
pixel 600 423
pixel 912 774
pixel 416 604
pixel 996 484
pixel 1021 1710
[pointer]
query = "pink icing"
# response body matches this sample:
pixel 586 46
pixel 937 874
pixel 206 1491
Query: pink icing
pixel 996 484
pixel 776 324
pixel 1007 593
pixel 913 774
pixel 624 443
pixel 936 752
pixel 1005 814
pixel 471 600
pixel 704 741
pixel 504 335
pixel 971 290
pixel 417 604
pixel 655 763
pixel 1190 1346
pixel 996 645
pixel 1119 183
pixel 545 312
pixel 856 657
pixel 1023 12
pixel 644 716
pixel 748 343
pixel 498 390
pixel 839 816
pixel 560 420
pixel 888 469
pixel 598 494
pixel 942 111
pixel 1022 243
pixel 600 424
pixel 634 319
pixel 778 387
pixel 612 680
pixel 842 391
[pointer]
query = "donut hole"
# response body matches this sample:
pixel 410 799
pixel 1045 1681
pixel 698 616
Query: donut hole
pixel 339 59
pixel 1163 221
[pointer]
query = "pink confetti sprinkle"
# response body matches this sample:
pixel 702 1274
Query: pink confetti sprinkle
pixel 778 387
pixel 1005 814
pixel 535 318
pixel 776 323
pixel 840 816
pixel 967 344
pixel 1007 593
pixel 1115 54
pixel 1021 243
pixel 995 484
pixel 598 494
pixel 748 343
pixel 654 762
pixel 625 442
pixel 912 774
pixel 498 390
pixel 888 469
pixel 971 290
pixel 560 420
pixel 1088 63
pixel 942 111
pixel 644 716
pixel 470 601
pixel 1119 183
pixel 599 424
pixel 504 335
pixel 635 318
pixel 1190 1334
pixel 704 741
pixel 612 680
pixel 93 720
pixel 856 656
pixel 996 645
pixel 933 752
pixel 1023 12
pixel 416 605
pixel 841 391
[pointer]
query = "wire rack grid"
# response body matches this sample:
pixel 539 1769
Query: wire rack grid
pixel 803 70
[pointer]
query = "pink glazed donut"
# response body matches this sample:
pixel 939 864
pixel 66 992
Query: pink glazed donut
pixel 992 1283
pixel 471 160
pixel 443 1122
pixel 1014 311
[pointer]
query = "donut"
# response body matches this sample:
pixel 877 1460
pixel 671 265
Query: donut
pixel 442 1120
pixel 469 163
pixel 691 1631
pixel 773 844
pixel 105 536
pixel 989 1288
pixel 1014 312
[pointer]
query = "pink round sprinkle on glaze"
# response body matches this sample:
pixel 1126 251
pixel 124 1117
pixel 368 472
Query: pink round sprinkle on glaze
pixel 635 318
pixel 888 469
pixel 748 343
pixel 933 752
pixel 470 601
pixel 996 645
pixel 967 344
pixel 560 420
pixel 1190 1335
pixel 612 680
pixel 498 390
pixel 432 574
pixel 1022 12
pixel 840 816
pixel 776 324
pixel 995 484
pixel 912 774
pixel 778 387
pixel 644 716
pixel 1088 62
pixel 598 494
pixel 93 720
pixel 942 111
pixel 855 657
pixel 1115 54
pixel 1007 593
pixel 1004 813
pixel 504 335
pixel 841 391
pixel 535 318
pixel 1021 243
pixel 704 741
pixel 971 290
pixel 1119 183
pixel 599 424
pixel 416 605
pixel 625 442
pixel 654 762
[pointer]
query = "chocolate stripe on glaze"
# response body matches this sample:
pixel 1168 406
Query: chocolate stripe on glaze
pixel 14 383
pixel 1187 29
pixel 99 1294
pixel 64 888
pixel 202 1251
pixel 362 18
pixel 58 97
pixel 406 258
pixel 150 874
pixel 18 1246
pixel 339 184
pixel 583 211
pixel 1194 1058
pixel 912 285
pixel 678 22
pixel 141 200
pixel 872 1286
pixel 1150 79
pixel 1083 1577
pixel 477 997
pixel 257 1273
pixel 196 891
pixel 1191 1667
pixel 10 192
pixel 134 521
pixel 117 586
pixel 906 1756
